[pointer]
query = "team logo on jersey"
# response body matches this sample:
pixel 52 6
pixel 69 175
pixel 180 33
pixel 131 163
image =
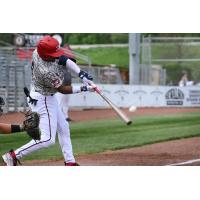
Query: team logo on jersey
pixel 55 82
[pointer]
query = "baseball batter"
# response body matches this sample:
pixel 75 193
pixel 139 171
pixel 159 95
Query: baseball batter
pixel 48 62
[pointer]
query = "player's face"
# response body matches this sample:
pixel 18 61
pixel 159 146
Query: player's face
pixel 49 59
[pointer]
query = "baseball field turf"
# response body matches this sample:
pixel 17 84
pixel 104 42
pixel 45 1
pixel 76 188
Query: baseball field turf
pixel 101 135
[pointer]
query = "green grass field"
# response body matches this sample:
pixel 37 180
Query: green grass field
pixel 107 56
pixel 102 135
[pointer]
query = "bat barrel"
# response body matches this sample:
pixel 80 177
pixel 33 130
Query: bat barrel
pixel 115 108
pixel 129 123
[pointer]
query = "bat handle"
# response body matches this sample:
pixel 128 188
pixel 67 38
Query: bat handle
pixel 97 90
pixel 95 87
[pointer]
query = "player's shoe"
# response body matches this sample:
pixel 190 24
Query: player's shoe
pixel 10 158
pixel 71 164
pixel 69 119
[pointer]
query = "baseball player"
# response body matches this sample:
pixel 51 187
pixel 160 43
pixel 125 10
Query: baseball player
pixel 48 62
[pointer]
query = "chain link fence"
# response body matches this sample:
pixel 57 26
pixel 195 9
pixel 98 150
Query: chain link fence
pixel 14 73
pixel 173 55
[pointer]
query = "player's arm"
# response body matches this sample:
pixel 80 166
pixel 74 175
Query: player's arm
pixel 65 89
pixel 66 62
pixel 10 128
pixel 74 89
pixel 54 80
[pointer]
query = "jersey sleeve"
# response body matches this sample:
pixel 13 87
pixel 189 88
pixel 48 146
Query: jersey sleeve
pixel 52 80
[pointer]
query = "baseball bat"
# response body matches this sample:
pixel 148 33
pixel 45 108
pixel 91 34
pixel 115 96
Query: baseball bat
pixel 119 112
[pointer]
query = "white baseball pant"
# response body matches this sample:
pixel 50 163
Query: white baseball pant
pixel 63 101
pixel 52 120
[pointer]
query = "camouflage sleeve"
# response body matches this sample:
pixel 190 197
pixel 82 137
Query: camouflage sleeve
pixel 52 80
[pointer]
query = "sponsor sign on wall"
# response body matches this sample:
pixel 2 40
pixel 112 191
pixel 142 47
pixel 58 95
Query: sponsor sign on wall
pixel 140 96
pixel 174 97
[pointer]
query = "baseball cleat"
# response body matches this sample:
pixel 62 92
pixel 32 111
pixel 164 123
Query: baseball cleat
pixel 71 164
pixel 10 159
pixel 69 119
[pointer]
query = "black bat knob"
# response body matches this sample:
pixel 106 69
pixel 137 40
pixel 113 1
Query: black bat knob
pixel 26 91
pixel 2 102
pixel 31 100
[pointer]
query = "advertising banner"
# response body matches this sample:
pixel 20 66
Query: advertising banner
pixel 140 96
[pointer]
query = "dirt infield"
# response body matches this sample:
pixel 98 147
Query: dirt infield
pixel 98 114
pixel 165 153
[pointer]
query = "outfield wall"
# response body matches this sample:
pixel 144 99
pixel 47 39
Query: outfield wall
pixel 140 96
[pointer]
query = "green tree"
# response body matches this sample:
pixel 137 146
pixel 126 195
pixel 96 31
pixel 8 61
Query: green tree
pixel 6 37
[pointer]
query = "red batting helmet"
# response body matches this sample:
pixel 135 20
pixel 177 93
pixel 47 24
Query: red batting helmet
pixel 49 47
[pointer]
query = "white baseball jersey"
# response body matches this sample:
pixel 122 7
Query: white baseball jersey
pixel 46 76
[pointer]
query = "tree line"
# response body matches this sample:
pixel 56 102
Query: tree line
pixel 78 38
pixel 99 38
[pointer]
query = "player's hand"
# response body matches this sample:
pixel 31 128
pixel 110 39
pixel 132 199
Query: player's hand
pixel 85 77
pixel 87 88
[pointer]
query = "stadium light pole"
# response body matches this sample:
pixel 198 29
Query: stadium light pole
pixel 134 58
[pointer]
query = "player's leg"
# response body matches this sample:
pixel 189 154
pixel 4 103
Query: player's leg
pixel 48 125
pixel 47 108
pixel 63 102
pixel 65 140
pixel 59 96
pixel 66 107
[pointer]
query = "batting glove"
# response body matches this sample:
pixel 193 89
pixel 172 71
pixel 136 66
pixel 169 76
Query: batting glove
pixel 85 77
pixel 87 88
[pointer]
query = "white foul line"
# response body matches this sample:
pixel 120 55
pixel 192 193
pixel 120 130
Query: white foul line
pixel 185 163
